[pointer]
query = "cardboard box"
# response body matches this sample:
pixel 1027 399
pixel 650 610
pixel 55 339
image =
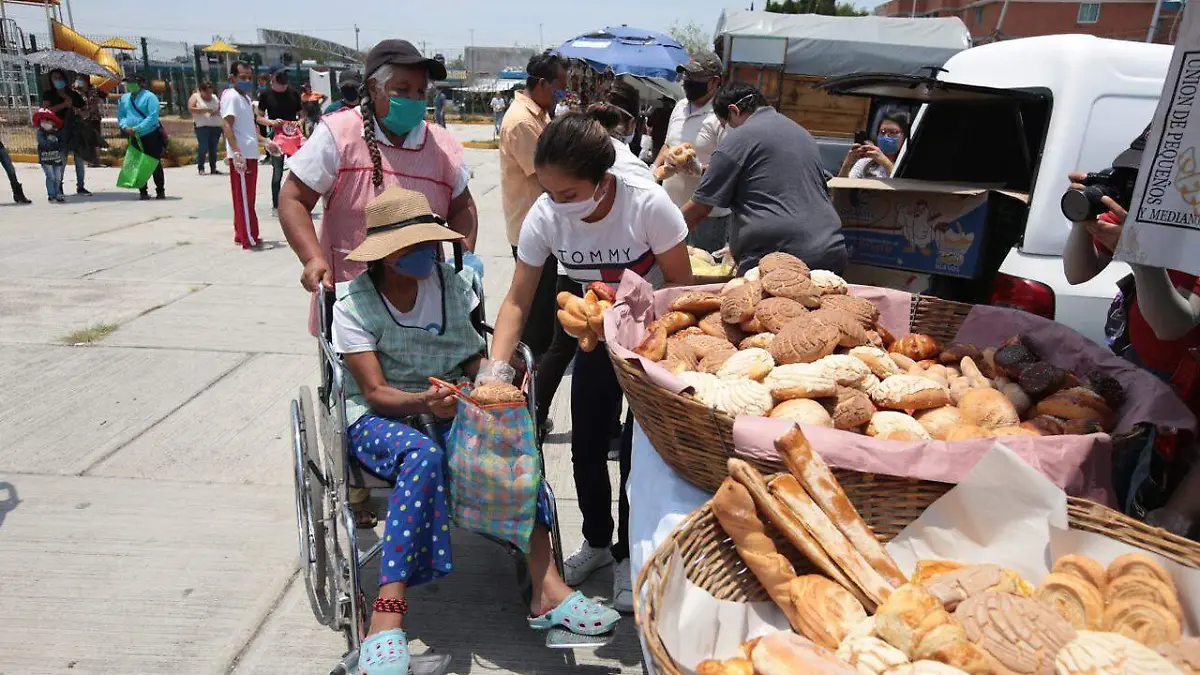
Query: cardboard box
pixel 919 226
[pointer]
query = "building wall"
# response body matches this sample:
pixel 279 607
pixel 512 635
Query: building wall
pixel 1119 20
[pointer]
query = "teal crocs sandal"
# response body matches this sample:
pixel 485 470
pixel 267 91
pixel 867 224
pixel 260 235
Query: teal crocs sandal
pixel 580 615
pixel 384 653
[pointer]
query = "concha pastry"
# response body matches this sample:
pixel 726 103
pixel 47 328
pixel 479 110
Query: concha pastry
pixel 825 611
pixel 877 360
pixel 779 260
pixel 1148 623
pixel 774 313
pixel 712 324
pixel 703 345
pixel 716 358
pixel 1092 653
pixel 742 397
pixel 850 408
pixel 760 340
pixel 925 668
pixel 896 426
pixel 804 341
pixel 909 392
pixel 737 305
pixel 1018 634
pixel 862 309
pixel 803 411
pixel 790 283
pixel 1184 654
pixel 828 282
pixel 698 303
pixel 753 364
pixel 853 334
pixel 939 421
pixel 846 370
pixel 870 655
pixel 1083 567
pixel 1137 587
pixel 682 352
pixel 1072 598
pixel 702 384
pixel 800 380
pixel 956 586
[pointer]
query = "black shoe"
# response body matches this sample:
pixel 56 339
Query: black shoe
pixel 143 195
pixel 160 194
pixel 60 200
pixel 216 172
pixel 19 195
pixel 84 192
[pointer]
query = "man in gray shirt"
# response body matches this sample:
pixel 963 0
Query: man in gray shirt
pixel 767 169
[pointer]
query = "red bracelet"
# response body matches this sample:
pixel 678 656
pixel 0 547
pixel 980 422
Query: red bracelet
pixel 390 605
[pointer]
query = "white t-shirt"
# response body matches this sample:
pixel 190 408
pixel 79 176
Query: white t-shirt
pixel 628 164
pixel 244 128
pixel 204 119
pixel 561 109
pixel 317 162
pixel 642 224
pixel 701 128
pixel 498 104
pixel 867 168
pixel 349 337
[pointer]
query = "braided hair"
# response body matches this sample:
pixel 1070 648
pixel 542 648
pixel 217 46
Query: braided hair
pixel 381 76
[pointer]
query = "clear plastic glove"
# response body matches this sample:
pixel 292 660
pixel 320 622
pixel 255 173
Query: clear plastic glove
pixel 239 162
pixel 691 167
pixel 273 149
pixel 495 371
pixel 472 261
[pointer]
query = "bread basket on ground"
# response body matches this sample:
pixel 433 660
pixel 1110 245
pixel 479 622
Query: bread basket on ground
pixel 888 504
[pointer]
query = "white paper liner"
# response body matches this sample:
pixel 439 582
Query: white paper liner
pixel 1004 512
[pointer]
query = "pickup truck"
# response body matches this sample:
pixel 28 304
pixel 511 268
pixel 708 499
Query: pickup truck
pixel 1020 115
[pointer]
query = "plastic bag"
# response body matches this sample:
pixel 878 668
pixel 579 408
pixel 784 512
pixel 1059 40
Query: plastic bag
pixel 137 167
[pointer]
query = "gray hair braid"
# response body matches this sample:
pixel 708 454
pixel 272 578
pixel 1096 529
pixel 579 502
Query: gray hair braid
pixel 381 76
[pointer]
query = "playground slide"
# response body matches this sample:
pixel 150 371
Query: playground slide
pixel 67 39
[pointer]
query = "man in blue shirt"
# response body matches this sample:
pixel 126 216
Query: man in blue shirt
pixel 439 108
pixel 137 115
pixel 348 84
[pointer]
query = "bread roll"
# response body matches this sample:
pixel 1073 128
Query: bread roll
pixel 1017 396
pixel 742 397
pixel 654 345
pixel 897 619
pixel 1092 653
pixel 916 347
pixel 1137 587
pixel 1078 403
pixel 800 380
pixel 989 409
pixel 1044 425
pixel 828 283
pixel 1020 635
pixel 1184 654
pixel 881 365
pixel 752 326
pixel 870 655
pixel 850 408
pixel 1072 598
pixel 1138 564
pixel 703 385
pixel 674 322
pixel 940 637
pixel 818 481
pixel 827 612
pixel 1009 432
pixel 752 364
pixel 759 340
pixel 955 586
pixel 1149 623
pixel 698 303
pixel 907 392
pixel 939 421
pixel 968 431
pixel 846 370
pixel 889 422
pixel 789 654
pixel 803 411
pixel 1083 567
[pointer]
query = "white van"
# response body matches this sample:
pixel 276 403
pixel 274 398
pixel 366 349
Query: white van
pixel 1021 114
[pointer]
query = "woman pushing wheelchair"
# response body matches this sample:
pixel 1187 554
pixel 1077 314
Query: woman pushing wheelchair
pixel 405 320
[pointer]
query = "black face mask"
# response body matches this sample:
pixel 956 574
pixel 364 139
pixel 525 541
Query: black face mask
pixel 349 92
pixel 695 90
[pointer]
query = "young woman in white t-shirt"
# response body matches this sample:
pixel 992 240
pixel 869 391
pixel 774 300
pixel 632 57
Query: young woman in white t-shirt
pixel 597 225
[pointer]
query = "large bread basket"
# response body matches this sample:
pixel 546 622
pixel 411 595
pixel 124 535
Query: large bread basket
pixel 695 440
pixel 886 503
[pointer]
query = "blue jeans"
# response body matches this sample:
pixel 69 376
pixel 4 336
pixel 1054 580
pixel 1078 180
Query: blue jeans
pixel 206 146
pixel 54 178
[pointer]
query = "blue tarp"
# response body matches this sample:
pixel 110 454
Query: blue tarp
pixel 627 50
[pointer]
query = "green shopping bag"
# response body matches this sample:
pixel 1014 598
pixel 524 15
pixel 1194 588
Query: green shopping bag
pixel 137 168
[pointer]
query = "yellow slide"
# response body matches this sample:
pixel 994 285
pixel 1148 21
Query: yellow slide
pixel 67 39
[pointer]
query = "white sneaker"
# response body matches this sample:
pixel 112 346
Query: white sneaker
pixel 622 597
pixel 580 565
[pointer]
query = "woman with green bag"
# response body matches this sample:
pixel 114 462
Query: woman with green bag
pixel 137 115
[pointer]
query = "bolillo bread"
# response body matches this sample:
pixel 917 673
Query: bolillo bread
pixel 826 611
pixel 789 654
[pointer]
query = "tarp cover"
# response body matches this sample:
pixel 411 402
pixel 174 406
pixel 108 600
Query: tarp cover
pixel 842 45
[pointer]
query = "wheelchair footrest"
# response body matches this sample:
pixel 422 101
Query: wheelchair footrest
pixel 560 638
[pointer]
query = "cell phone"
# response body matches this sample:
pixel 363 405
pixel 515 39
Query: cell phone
pixel 860 136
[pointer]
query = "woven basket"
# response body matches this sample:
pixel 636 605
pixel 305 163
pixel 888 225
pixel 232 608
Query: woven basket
pixel 887 504
pixel 695 440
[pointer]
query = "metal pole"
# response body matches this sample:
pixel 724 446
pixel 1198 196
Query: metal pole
pixel 1000 21
pixel 145 60
pixel 1154 20
pixel 541 39
pixel 356 38
pixel 70 16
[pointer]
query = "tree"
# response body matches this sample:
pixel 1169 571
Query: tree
pixel 693 38
pixel 826 7
pixel 457 63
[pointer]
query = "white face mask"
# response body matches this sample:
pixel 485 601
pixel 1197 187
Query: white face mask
pixel 578 210
pixel 48 126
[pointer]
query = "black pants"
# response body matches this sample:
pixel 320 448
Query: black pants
pixel 595 402
pixel 553 364
pixel 276 179
pixel 154 144
pixel 539 325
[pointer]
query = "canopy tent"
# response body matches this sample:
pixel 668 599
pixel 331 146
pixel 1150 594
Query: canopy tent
pixel 812 44
pixel 627 50
pixel 220 47
pixel 652 89
pixel 117 43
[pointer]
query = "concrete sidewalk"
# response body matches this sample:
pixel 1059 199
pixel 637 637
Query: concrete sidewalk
pixel 146 503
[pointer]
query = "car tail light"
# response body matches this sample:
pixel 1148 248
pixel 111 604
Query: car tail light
pixel 1032 296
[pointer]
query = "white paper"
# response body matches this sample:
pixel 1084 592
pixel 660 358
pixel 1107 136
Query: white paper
pixel 1163 226
pixel 1004 512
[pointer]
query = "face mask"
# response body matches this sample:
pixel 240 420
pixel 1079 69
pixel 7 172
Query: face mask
pixel 81 83
pixel 244 86
pixel 404 114
pixel 349 92
pixel 59 84
pixel 559 95
pixel 578 210
pixel 133 88
pixel 628 138
pixel 48 126
pixel 889 145
pixel 418 263
pixel 695 90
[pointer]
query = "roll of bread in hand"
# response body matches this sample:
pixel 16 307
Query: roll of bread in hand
pixel 493 392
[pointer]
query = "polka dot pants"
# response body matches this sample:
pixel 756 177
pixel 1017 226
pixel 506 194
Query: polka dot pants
pixel 416 547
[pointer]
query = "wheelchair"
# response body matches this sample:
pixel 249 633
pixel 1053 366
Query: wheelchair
pixel 326 471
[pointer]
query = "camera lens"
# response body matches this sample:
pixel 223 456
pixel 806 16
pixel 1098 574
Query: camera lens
pixel 1075 205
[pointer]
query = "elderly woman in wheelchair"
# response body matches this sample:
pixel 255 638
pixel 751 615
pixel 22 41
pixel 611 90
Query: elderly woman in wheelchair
pixel 405 320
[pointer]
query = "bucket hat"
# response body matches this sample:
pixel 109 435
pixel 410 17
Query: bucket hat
pixel 398 219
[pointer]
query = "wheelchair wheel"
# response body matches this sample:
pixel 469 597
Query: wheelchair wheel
pixel 311 501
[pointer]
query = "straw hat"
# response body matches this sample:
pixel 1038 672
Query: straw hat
pixel 398 219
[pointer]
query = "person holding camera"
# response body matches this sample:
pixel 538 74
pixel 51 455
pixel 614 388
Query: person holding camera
pixel 878 159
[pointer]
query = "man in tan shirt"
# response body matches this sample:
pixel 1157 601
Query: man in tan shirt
pixel 519 189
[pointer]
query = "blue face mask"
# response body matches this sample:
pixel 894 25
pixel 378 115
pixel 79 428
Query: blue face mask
pixel 418 263
pixel 59 84
pixel 890 145
pixel 404 114
pixel 244 86
pixel 559 95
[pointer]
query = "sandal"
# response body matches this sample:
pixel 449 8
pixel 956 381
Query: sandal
pixel 385 653
pixel 578 614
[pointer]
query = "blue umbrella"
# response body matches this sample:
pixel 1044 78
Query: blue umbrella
pixel 628 50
